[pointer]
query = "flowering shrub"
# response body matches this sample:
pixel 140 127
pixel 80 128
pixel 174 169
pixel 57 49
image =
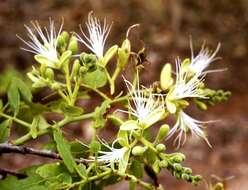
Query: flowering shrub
pixel 72 75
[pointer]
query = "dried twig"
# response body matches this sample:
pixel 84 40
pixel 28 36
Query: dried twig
pixel 9 148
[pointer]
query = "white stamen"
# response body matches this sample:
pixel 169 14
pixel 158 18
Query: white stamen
pixel 184 87
pixel 184 124
pixel 98 34
pixel 42 42
pixel 199 63
pixel 148 107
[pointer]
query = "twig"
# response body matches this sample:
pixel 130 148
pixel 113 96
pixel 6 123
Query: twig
pixel 5 172
pixel 9 148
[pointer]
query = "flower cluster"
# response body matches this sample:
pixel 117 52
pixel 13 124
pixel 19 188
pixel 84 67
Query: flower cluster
pixel 71 75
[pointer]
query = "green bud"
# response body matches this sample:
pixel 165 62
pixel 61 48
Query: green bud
pixel 108 55
pixel 160 147
pixel 162 133
pixel 177 167
pixel 49 74
pixel 138 150
pixel 187 170
pixel 178 157
pixel 83 70
pixel 73 45
pixel 185 177
pixel 62 39
pixel 43 68
pixel 156 167
pixel 201 105
pixel 75 68
pixel 218 186
pixel 163 164
pixel 197 178
pixel 124 53
pixel 177 175
pixel 166 79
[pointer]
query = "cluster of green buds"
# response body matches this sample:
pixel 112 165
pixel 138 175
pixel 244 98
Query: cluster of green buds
pixel 72 74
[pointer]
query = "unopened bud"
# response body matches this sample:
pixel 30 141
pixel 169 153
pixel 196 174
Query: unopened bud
pixel 75 68
pixel 49 73
pixel 43 68
pixel 179 157
pixel 177 167
pixel 165 77
pixel 162 133
pixel 73 45
pixel 160 147
pixel 163 164
pixel 187 170
pixel 185 177
pixel 83 70
pixel 138 150
pixel 62 39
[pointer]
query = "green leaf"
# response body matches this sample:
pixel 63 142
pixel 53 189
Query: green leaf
pixel 99 112
pixel 79 149
pixel 95 146
pixel 34 126
pixel 23 89
pixel 55 170
pixel 64 150
pixel 71 110
pixel 12 183
pixel 136 169
pixel 95 79
pixel 14 97
pixel 4 130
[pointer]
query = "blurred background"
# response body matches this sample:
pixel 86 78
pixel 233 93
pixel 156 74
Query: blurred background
pixel 165 30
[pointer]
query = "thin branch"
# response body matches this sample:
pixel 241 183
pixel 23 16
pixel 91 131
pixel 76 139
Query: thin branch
pixel 9 148
pixel 5 172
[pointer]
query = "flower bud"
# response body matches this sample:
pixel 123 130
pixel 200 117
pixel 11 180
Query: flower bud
pixel 49 74
pixel 162 133
pixel 178 157
pixel 165 77
pixel 138 150
pixel 177 167
pixel 185 177
pixel 218 186
pixel 124 53
pixel 62 39
pixel 83 70
pixel 73 45
pixel 187 170
pixel 163 164
pixel 160 147
pixel 75 68
pixel 43 68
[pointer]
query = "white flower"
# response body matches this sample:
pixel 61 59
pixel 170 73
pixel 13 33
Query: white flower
pixel 98 34
pixel 42 43
pixel 185 86
pixel 115 155
pixel 186 124
pixel 147 107
pixel 199 63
